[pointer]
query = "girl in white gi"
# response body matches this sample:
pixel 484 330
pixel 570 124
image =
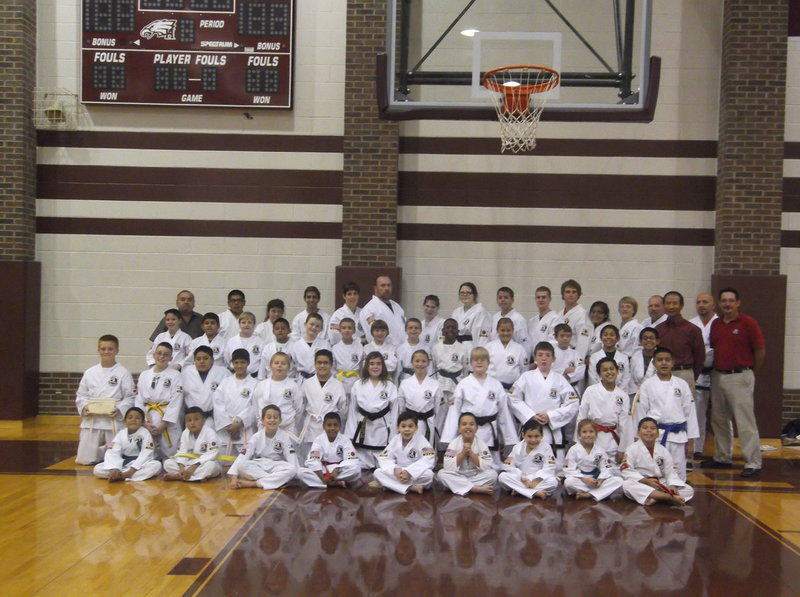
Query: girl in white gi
pixel 547 397
pixel 200 382
pixel 432 323
pixel 196 459
pixel 347 354
pixel 407 348
pixel 275 309
pixel 282 343
pixel 648 471
pixel 607 406
pixel 247 340
pixel 567 362
pixel 407 462
pixel 629 327
pixel 129 457
pixel 332 460
pixel 380 331
pixel 486 399
pixel 281 390
pixel 598 319
pixel 211 337
pixel 450 363
pixel 474 322
pixel 107 380
pixel 319 395
pixel 234 408
pixel 304 349
pixel 588 471
pixel 373 408
pixel 642 366
pixel 507 358
pixel 420 394
pixel 669 400
pixel 609 338
pixel 350 310
pixel 467 465
pixel 175 336
pixel 530 469
pixel 268 460
pixel 159 395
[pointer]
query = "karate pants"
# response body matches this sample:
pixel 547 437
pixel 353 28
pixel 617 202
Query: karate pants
pixel 92 445
pixel 639 492
pixel 269 474
pixel 460 484
pixel 207 470
pixel 310 479
pixel 610 486
pixel 148 471
pixel 389 481
pixel 513 482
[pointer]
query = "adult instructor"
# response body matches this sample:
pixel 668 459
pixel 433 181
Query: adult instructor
pixel 381 306
pixel 191 320
pixel 738 344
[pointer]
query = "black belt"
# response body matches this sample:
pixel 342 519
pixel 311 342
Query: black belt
pixel 729 371
pixel 488 420
pixel 698 387
pixel 407 371
pixel 305 375
pixel 682 367
pixel 464 337
pixel 423 417
pixel 361 428
pixel 448 375
pixel 377 415
pixel 506 386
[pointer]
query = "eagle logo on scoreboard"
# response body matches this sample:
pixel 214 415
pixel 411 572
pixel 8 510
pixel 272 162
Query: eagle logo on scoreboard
pixel 163 28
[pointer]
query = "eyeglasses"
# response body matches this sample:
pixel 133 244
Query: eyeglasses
pixel 465 292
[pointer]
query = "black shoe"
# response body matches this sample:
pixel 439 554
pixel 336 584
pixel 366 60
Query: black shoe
pixel 751 472
pixel 697 455
pixel 711 463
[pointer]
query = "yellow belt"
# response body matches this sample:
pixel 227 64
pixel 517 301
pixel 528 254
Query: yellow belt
pixel 342 374
pixel 159 408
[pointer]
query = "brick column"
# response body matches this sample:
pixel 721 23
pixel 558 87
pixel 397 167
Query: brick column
pixel 749 192
pixel 20 303
pixel 369 186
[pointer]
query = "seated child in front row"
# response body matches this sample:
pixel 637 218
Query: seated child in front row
pixel 530 469
pixel 332 460
pixel 196 459
pixel 467 465
pixel 268 460
pixel 407 462
pixel 648 471
pixel 129 457
pixel 588 470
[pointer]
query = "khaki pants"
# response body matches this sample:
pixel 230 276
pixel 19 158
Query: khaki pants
pixel 732 399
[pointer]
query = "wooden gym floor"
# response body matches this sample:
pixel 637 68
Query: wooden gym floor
pixel 66 533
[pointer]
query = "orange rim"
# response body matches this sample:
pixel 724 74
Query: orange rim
pixel 521 89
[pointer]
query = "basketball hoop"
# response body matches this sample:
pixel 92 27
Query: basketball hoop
pixel 519 97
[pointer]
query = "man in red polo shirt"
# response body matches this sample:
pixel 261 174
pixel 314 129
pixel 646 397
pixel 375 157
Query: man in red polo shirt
pixel 683 338
pixel 738 345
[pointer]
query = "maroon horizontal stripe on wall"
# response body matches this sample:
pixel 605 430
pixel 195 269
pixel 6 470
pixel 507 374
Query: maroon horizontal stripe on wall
pixel 224 229
pixel 119 183
pixel 587 191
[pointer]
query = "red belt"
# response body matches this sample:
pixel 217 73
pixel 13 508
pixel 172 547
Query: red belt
pixel 612 429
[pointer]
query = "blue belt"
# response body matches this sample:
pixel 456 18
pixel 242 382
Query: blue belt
pixel 670 428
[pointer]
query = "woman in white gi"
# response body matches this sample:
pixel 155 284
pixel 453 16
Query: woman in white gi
pixel 268 460
pixel 588 471
pixel 648 471
pixel 467 465
pixel 332 460
pixel 530 469
pixel 282 391
pixel 474 322
pixel 373 409
pixel 607 406
pixel 129 457
pixel 420 394
pixel 407 462
pixel 200 382
pixel 196 459
pixel 234 408
pixel 159 395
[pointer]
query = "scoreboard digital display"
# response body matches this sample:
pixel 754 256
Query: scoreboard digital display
pixel 188 52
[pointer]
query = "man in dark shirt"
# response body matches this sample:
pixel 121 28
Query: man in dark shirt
pixel 191 320
pixel 683 338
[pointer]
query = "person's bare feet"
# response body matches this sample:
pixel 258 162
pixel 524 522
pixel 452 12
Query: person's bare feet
pixel 542 494
pixel 416 488
pixel 483 489
pixel 234 484
pixel 173 477
pixel 649 501
pixel 582 495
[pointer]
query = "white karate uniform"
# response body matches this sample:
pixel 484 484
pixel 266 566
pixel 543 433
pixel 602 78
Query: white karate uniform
pixel 270 461
pixel 638 372
pixel 371 435
pixel 394 317
pixel 422 398
pixel 578 319
pixel 483 398
pixel 534 393
pixel 543 328
pixel 264 331
pixel 299 324
pixel 639 463
pixel 450 363
pixel 160 396
pixel 285 394
pixel 404 352
pixel 233 401
pixel 522 465
pixel 521 332
pixel 130 451
pixel 201 450
pixel 303 355
pixel 216 344
pixel 388 352
pixel 317 400
pixel 228 325
pixel 98 430
pixel 326 456
pixel 702 386
pixel 670 402
pixel 595 343
pixel 347 363
pixel 507 363
pixel 254 346
pixel 622 360
pixel 180 343
pixel 197 392
pixel 569 358
pixel 431 331
pixel 611 410
pixel 343 312
pixel 594 463
pixel 417 458
pixel 629 336
pixel 461 479
pixel 269 351
pixel 475 323
pixel 648 322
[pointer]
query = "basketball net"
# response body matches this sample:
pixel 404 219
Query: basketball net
pixel 520 93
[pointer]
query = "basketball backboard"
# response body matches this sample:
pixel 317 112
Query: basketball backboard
pixel 437 51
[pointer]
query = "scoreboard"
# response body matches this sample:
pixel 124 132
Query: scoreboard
pixel 188 52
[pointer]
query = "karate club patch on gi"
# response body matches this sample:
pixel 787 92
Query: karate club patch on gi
pixel 509 360
pixel 677 393
pixel 619 400
pixel 177 346
pixel 214 386
pixel 454 358
pixel 491 396
pixel 553 394
pixel 354 358
pixel 538 459
pixel 660 461
pixel 339 452
pixel 384 395
pixel 427 394
pixel 113 380
pixel 245 393
pixel 256 350
pixel 466 322
pixel 167 382
pixel 287 394
pixel 412 453
pixel 327 397
pixel 215 350
pixel 277 446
